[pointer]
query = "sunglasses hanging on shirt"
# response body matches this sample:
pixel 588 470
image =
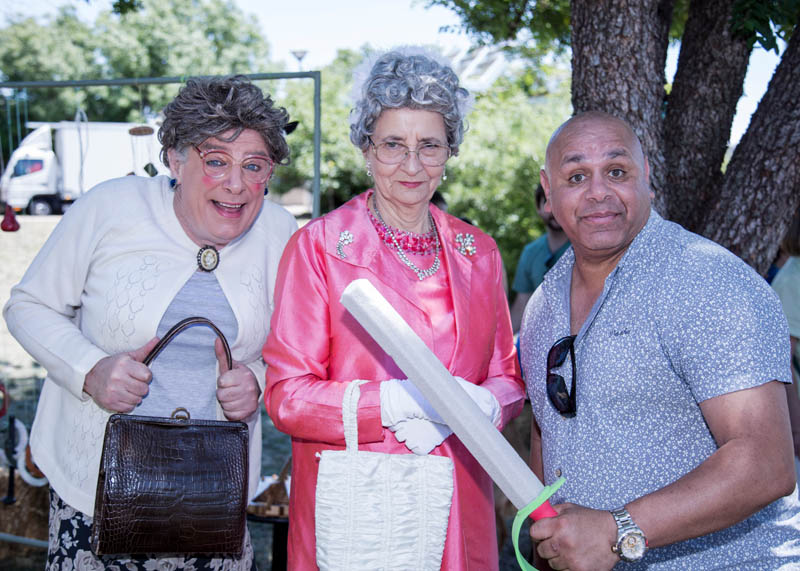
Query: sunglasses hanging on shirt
pixel 563 401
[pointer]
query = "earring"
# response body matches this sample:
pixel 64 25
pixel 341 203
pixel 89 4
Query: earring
pixel 173 182
pixel 266 190
pixel 369 170
pixel 444 175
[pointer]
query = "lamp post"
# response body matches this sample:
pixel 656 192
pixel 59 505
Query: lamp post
pixel 299 55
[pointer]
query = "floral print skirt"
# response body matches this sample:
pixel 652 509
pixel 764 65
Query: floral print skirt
pixel 69 549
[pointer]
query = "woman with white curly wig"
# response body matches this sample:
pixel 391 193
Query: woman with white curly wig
pixel 440 273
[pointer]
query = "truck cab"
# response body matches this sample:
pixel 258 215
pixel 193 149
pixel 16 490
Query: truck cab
pixel 29 182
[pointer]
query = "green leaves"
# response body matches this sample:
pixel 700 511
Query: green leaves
pixel 137 38
pixel 123 7
pixel 764 21
pixel 545 22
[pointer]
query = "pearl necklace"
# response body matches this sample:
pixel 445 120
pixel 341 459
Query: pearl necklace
pixel 421 274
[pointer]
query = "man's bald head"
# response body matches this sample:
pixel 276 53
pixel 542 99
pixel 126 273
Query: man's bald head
pixel 582 121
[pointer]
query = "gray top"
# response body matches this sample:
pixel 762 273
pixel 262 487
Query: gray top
pixel 680 320
pixel 184 373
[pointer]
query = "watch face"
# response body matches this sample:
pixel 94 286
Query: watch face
pixel 632 546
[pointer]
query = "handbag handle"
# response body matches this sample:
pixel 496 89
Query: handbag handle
pixel 350 415
pixel 180 326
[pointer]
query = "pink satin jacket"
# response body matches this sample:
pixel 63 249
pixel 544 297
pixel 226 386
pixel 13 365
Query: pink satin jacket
pixel 315 347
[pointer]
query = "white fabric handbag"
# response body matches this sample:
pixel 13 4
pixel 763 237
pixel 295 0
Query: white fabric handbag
pixel 377 511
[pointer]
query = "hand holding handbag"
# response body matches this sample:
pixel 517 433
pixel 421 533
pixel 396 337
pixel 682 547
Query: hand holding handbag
pixel 172 485
pixel 377 510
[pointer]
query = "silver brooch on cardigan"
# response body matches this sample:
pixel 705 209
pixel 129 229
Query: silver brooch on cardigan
pixel 345 238
pixel 466 244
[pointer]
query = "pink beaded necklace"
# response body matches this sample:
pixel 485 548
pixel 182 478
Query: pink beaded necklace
pixel 409 242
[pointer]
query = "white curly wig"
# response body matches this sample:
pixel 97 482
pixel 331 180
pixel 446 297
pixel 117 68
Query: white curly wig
pixel 408 77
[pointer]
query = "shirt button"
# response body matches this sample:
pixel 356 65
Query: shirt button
pixel 558 472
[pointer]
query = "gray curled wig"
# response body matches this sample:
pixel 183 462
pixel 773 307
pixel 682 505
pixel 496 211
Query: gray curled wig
pixel 209 106
pixel 409 78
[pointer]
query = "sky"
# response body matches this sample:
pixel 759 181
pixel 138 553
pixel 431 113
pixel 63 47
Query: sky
pixel 321 27
pixel 328 25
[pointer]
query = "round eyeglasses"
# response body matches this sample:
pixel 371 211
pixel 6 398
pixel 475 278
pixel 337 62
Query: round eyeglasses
pixel 394 153
pixel 218 164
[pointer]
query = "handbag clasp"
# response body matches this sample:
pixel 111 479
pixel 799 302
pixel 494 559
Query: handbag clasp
pixel 180 413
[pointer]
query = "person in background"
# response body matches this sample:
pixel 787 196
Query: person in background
pixel 787 285
pixel 442 275
pixel 125 263
pixel 655 362
pixel 537 258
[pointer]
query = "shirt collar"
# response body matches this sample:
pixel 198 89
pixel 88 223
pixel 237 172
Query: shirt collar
pixel 559 277
pixel 644 240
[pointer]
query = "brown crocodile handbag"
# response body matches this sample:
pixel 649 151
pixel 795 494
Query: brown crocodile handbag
pixel 172 485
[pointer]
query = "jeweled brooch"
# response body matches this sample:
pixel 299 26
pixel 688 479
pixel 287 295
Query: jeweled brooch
pixel 208 258
pixel 345 238
pixel 466 244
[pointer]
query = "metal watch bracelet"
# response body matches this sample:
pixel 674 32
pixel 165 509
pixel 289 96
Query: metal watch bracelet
pixel 631 542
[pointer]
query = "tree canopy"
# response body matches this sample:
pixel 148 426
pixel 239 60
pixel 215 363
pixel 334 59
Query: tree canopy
pixel 618 58
pixel 178 38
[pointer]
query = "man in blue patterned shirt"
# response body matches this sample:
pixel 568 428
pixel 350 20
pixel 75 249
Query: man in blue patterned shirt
pixel 654 362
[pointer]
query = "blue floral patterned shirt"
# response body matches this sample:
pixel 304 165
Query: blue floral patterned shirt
pixel 680 320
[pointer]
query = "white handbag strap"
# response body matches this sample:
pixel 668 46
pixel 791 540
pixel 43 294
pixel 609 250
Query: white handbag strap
pixel 350 414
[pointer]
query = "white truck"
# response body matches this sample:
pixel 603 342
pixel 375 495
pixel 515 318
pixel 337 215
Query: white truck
pixel 43 178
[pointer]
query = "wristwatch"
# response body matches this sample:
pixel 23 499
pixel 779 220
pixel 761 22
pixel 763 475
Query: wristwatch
pixel 631 541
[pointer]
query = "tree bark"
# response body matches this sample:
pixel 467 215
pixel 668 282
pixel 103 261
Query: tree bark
pixel 619 49
pixel 701 106
pixel 760 191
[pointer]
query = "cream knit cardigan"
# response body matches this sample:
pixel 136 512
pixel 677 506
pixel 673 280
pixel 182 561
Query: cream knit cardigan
pixel 100 285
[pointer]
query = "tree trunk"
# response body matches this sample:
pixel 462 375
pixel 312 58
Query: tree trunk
pixel 619 49
pixel 760 191
pixel 701 106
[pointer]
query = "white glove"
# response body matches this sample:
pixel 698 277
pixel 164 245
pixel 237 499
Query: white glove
pixel 420 435
pixel 401 400
pixel 485 400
